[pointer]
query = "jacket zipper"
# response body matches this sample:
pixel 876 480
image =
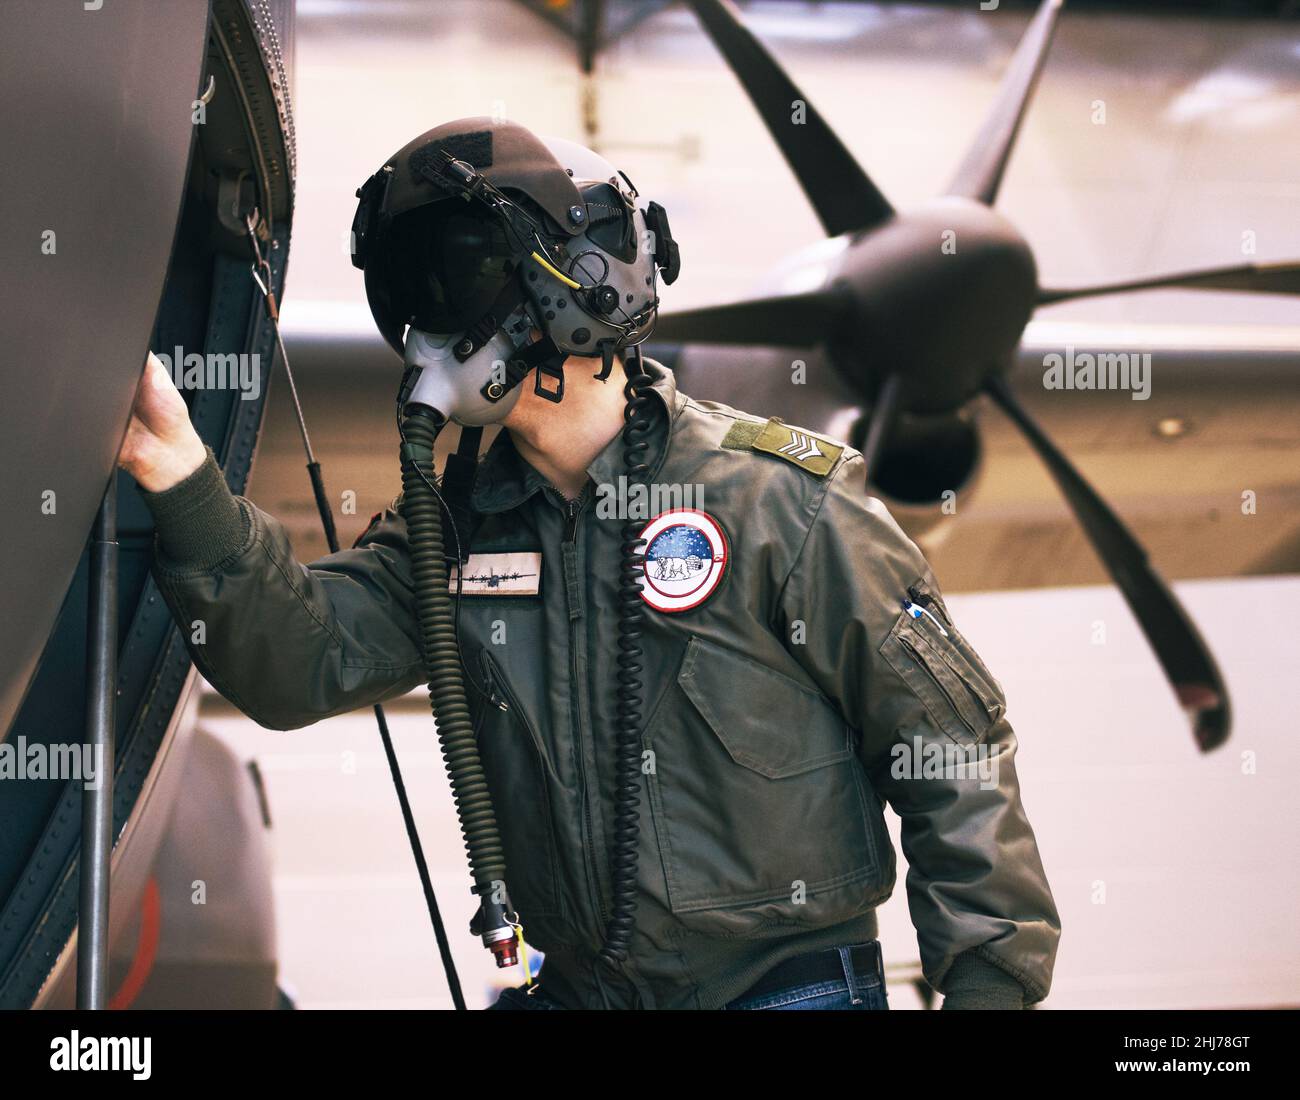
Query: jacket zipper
pixel 507 702
pixel 490 667
pixel 921 660
pixel 923 598
pixel 574 509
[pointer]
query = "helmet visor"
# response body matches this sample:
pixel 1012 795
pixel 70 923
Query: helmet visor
pixel 448 262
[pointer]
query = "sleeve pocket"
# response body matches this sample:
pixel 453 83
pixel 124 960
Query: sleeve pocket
pixel 947 676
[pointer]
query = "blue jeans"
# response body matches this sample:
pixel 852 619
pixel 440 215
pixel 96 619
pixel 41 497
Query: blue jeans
pixel 853 992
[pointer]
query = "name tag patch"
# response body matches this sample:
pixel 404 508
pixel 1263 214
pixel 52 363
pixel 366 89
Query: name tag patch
pixel 518 573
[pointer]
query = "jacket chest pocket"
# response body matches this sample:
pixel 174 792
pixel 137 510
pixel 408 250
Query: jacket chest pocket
pixel 946 674
pixel 516 773
pixel 763 814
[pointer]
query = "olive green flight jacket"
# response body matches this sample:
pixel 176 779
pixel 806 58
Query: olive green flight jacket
pixel 780 715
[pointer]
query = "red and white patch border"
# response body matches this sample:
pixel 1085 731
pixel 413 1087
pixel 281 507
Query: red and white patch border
pixel 716 536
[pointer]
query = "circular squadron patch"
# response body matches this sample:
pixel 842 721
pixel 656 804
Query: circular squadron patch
pixel 686 556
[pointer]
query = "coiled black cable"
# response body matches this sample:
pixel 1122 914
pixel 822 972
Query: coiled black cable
pixel 441 654
pixel 627 740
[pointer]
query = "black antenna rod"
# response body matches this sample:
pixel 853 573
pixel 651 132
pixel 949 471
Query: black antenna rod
pixel 262 277
pixel 97 800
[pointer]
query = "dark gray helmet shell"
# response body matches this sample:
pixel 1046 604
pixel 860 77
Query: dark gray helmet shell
pixel 597 290
pixel 508 155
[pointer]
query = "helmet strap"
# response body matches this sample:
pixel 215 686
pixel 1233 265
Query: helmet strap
pixel 552 368
pixel 540 354
pixel 487 326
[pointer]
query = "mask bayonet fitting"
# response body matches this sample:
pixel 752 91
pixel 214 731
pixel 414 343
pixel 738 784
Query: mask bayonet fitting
pixel 492 924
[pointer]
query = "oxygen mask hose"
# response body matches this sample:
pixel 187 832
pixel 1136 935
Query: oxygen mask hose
pixel 441 655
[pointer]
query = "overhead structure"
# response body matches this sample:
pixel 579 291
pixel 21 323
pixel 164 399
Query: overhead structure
pixel 594 24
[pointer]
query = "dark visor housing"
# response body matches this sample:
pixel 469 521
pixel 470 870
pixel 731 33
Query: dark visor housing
pixel 433 260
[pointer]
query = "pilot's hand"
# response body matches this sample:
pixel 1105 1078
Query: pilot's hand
pixel 161 448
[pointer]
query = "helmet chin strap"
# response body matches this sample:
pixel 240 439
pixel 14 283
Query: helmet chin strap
pixel 543 355
pixel 550 366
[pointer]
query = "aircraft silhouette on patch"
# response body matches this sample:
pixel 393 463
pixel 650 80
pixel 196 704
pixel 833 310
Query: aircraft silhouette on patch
pixel 493 579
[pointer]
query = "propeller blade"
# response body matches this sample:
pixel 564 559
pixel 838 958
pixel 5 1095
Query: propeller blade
pixel 841 193
pixel 1280 278
pixel 980 174
pixel 881 421
pixel 794 321
pixel 1178 645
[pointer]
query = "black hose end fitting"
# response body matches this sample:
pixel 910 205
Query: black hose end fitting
pixel 492 925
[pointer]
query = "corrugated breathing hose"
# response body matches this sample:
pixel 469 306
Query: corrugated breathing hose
pixel 441 655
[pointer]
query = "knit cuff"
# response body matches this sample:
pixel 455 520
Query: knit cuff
pixel 974 982
pixel 199 522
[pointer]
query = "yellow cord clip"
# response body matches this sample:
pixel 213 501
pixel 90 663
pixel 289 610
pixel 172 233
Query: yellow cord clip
pixel 523 954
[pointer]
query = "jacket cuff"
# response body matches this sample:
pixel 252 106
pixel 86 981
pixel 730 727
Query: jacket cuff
pixel 198 521
pixel 972 982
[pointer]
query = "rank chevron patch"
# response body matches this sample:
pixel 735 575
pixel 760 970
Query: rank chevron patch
pixel 807 451
pixel 802 446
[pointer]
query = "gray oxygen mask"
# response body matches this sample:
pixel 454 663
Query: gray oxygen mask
pixel 461 391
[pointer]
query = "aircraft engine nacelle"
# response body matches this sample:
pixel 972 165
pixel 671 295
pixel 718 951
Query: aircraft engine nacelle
pixel 929 464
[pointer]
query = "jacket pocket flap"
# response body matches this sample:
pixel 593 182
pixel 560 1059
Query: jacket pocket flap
pixel 767 722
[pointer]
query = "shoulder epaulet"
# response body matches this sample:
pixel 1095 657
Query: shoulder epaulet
pixel 798 446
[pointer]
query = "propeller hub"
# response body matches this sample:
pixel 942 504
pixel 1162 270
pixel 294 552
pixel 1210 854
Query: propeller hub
pixel 940 296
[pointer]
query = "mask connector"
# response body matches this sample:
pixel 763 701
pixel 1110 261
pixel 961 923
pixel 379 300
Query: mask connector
pixel 494 925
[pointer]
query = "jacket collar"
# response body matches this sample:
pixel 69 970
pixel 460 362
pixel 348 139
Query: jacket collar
pixel 504 480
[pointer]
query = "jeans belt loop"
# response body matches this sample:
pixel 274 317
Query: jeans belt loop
pixel 846 961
